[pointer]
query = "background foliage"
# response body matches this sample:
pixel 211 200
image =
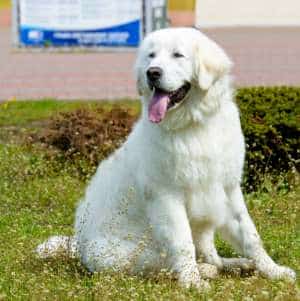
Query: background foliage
pixel 270 120
pixel 269 116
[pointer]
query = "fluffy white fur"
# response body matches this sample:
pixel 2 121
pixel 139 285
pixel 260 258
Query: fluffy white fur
pixel 157 202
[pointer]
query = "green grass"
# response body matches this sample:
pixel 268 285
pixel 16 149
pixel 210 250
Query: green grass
pixel 38 197
pixel 24 112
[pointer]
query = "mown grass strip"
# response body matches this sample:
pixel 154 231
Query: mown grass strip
pixel 23 112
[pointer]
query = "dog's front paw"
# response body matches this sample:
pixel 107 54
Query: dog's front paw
pixel 278 272
pixel 283 272
pixel 191 278
pixel 208 271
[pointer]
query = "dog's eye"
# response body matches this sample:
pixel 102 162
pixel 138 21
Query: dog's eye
pixel 178 54
pixel 151 54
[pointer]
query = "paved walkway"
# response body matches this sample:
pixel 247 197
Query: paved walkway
pixel 262 56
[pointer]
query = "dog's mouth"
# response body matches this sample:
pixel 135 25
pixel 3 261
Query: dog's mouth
pixel 162 101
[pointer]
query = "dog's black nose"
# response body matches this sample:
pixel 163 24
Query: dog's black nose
pixel 154 73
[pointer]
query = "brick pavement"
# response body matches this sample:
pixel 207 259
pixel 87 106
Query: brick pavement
pixel 262 56
pixel 5 17
pixel 63 75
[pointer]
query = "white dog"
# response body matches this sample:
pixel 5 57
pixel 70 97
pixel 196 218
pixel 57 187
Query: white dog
pixel 157 202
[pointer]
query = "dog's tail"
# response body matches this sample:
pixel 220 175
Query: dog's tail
pixel 58 246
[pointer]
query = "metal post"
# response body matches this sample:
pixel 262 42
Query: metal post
pixel 148 16
pixel 15 23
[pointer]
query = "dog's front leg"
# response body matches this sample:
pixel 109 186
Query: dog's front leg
pixel 241 232
pixel 172 234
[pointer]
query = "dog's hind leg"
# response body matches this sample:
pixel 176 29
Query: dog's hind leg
pixel 111 253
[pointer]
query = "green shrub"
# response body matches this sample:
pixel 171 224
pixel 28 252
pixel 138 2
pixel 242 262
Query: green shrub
pixel 270 120
pixel 269 117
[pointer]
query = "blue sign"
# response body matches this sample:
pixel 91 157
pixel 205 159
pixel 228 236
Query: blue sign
pixel 122 35
pixel 80 23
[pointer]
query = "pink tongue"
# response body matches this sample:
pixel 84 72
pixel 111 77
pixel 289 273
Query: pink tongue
pixel 158 107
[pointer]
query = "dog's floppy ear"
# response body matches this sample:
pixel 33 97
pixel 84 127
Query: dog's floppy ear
pixel 211 62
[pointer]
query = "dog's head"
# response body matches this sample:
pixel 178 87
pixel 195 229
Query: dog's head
pixel 175 65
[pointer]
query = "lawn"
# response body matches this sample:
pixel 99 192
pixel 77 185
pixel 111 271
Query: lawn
pixel 38 194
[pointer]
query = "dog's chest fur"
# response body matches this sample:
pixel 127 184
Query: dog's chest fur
pixel 191 159
pixel 190 164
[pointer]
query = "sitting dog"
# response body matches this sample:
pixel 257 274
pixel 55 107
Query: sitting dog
pixel 157 202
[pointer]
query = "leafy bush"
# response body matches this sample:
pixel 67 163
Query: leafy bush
pixel 269 117
pixel 270 120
